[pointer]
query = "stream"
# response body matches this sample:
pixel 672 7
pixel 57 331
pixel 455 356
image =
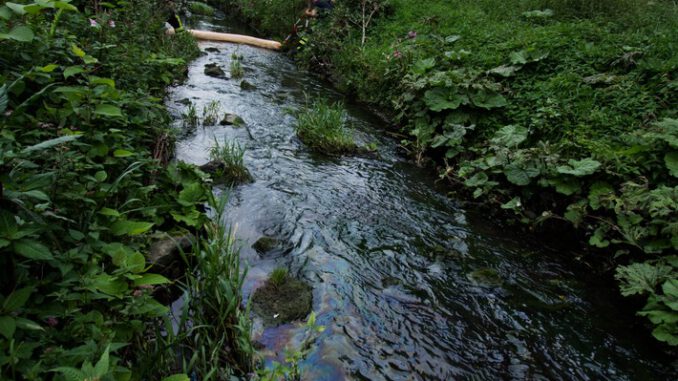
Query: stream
pixel 409 285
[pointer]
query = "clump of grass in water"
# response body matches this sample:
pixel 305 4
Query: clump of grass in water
pixel 321 126
pixel 231 156
pixel 191 119
pixel 278 277
pixel 236 68
pixel 210 113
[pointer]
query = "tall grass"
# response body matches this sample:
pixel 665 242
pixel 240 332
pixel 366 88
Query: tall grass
pixel 210 113
pixel 210 337
pixel 236 68
pixel 321 126
pixel 231 156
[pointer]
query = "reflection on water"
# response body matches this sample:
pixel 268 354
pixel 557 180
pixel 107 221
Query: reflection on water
pixel 407 287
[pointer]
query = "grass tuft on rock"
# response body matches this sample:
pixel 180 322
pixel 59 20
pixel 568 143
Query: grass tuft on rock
pixel 230 159
pixel 321 126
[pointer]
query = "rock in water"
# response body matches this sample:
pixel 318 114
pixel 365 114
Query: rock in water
pixel 246 85
pixel 212 50
pixel 282 303
pixel 232 119
pixel 214 167
pixel 265 244
pixel 214 70
pixel 165 256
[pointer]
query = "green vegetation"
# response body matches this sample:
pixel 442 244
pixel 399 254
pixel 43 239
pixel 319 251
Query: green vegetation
pixel 230 156
pixel 321 126
pixel 200 8
pixel 559 112
pixel 85 188
pixel 278 276
pixel 236 66
pixel 191 119
pixel 210 113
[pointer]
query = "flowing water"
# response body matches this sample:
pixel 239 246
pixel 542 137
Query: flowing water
pixel 409 285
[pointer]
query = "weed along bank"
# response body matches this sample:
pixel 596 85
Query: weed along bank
pixel 350 189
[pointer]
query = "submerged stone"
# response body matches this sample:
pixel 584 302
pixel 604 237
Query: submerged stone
pixel 246 85
pixel 165 256
pixel 266 244
pixel 212 50
pixel 485 277
pixel 219 171
pixel 231 120
pixel 279 304
pixel 214 70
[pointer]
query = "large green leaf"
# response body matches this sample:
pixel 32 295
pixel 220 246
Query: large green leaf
pixel 50 143
pixel 102 366
pixel 518 175
pixel 16 8
pixel 422 66
pixel 191 194
pixel 150 279
pixel 439 99
pixel 488 99
pixel 20 33
pixel 476 180
pixel 73 70
pixel 33 250
pixel 671 161
pixel 108 110
pixel 510 136
pixel 7 326
pixel 641 278
pixel 5 13
pixel 129 227
pixel 579 168
pixel 667 333
pixel 17 299
pixel 109 284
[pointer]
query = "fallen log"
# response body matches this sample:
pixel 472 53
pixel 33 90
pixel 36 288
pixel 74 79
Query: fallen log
pixel 235 38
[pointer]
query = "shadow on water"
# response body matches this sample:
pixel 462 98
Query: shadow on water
pixel 409 285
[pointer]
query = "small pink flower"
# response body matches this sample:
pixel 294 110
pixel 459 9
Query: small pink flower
pixel 52 321
pixel 93 23
pixel 111 23
pixel 411 34
pixel 397 54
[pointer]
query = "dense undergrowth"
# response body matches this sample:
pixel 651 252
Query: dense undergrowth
pixel 85 188
pixel 561 112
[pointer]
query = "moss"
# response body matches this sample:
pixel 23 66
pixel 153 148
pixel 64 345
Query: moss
pixel 278 304
pixel 265 244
